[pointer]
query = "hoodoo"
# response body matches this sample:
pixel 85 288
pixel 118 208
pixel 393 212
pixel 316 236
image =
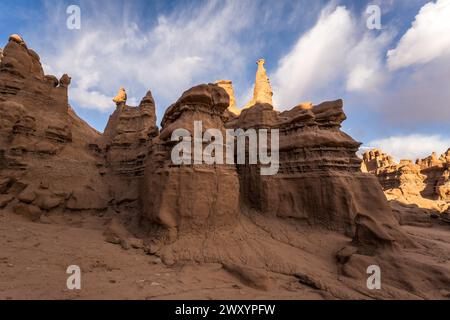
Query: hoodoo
pixel 262 91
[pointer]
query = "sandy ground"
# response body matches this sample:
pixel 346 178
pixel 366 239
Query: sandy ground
pixel 34 258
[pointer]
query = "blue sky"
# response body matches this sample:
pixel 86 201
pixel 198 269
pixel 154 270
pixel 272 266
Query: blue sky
pixel 394 81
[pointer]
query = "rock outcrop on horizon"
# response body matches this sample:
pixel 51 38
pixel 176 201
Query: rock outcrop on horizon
pixel 426 177
pixel 319 220
pixel 416 190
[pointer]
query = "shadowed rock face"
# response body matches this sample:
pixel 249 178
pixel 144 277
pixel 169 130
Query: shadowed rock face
pixel 185 199
pixel 319 180
pixel 294 223
pixel 123 147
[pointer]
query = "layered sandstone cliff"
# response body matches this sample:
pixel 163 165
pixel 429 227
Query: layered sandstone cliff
pixel 44 162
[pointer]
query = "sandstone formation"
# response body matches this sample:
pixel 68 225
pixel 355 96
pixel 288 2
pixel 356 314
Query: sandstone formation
pixel 305 105
pixel 423 185
pixel 436 170
pixel 122 150
pixel 262 91
pixel 121 97
pixel 227 85
pixel 44 163
pixel 188 199
pixel 426 177
pixel 16 38
pixel 318 221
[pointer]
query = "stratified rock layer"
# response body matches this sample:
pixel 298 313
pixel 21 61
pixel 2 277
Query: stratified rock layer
pixel 123 147
pixel 427 178
pixel 417 191
pixel 316 159
pixel 43 153
pixel 185 199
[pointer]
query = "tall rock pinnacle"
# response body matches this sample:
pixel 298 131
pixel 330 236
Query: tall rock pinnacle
pixel 262 92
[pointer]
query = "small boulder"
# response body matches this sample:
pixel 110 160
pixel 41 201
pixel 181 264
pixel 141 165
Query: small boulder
pixel 30 212
pixel 46 200
pixel 5 199
pixel 28 195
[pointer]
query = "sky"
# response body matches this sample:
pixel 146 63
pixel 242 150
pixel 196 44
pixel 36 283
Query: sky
pixel 394 80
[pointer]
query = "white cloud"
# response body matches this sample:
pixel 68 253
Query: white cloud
pixel 427 39
pixel 90 99
pixel 411 147
pixel 365 63
pixel 190 46
pixel 336 52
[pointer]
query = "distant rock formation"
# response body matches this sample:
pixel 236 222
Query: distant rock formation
pixel 426 177
pixel 375 159
pixel 417 191
pixel 436 171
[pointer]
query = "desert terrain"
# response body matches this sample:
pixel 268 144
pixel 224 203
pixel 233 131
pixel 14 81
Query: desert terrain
pixel 141 227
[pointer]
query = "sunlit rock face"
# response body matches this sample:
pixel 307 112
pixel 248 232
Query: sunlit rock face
pixel 227 85
pixel 262 91
pixel 426 178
